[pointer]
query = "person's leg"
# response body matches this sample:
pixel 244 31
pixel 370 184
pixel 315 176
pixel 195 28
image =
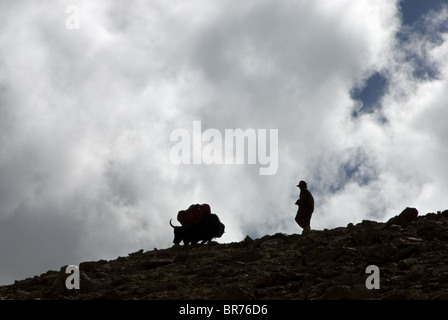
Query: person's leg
pixel 307 218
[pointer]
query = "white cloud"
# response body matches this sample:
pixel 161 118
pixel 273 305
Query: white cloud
pixel 86 117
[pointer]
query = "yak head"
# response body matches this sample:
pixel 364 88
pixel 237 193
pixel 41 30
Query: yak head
pixel 221 231
pixel 178 233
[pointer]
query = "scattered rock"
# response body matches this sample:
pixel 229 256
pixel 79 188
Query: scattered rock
pixel 406 263
pixel 91 266
pixel 251 255
pixel 234 293
pixel 151 264
pixel 248 240
pixel 406 216
pixel 409 250
pixel 445 213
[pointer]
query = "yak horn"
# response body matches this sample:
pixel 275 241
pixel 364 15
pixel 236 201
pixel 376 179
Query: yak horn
pixel 171 223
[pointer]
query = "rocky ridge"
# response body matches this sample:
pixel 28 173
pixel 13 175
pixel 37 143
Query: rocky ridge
pixel 410 252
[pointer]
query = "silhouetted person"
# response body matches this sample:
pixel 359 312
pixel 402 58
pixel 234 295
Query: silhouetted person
pixel 306 207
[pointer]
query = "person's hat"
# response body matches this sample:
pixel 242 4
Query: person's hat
pixel 302 184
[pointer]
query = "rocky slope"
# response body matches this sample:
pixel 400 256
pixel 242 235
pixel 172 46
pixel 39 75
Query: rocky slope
pixel 410 251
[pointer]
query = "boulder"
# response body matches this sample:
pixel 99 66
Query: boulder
pixel 406 216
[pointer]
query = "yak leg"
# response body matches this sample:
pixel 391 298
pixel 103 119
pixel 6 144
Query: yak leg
pixel 207 240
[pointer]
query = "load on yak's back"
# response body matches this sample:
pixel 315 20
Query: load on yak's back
pixel 193 214
pixel 197 224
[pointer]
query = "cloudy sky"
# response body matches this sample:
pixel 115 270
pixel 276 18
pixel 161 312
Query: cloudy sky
pixel 356 89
